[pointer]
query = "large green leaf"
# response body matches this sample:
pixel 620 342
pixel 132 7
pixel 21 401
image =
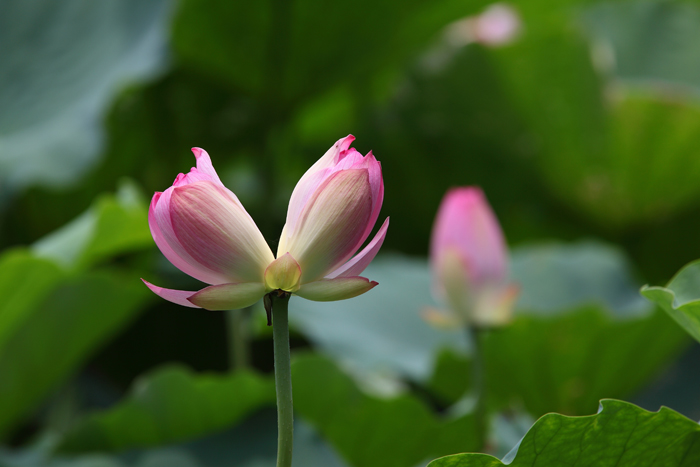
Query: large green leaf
pixel 51 323
pixel 681 298
pixel 62 64
pixel 368 431
pixel 55 310
pixel 169 405
pixel 621 434
pixel 616 135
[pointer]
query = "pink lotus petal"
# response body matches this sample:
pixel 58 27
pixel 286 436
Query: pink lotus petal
pixel 170 246
pixel 356 265
pixel 339 158
pixel 341 288
pixel 310 181
pixel 204 164
pixel 160 222
pixel 466 223
pixel 176 296
pixel 193 176
pixel 377 189
pixel 204 172
pixel 228 296
pixel 348 159
pixel 332 223
pixel 334 155
pixel 215 230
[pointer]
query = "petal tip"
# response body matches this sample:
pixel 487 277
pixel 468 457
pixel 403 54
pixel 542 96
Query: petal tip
pixel 179 297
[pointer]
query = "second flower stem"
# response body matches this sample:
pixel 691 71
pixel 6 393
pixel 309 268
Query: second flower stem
pixel 283 378
pixel 238 339
pixel 476 334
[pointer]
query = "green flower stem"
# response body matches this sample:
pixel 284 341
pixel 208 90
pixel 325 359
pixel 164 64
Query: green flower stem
pixel 479 384
pixel 238 339
pixel 283 378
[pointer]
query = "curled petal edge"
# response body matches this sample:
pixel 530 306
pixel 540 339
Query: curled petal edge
pixel 204 164
pixel 358 264
pixel 330 290
pixel 228 296
pixel 178 297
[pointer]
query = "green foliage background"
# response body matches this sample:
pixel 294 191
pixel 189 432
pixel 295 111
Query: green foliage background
pixel 585 127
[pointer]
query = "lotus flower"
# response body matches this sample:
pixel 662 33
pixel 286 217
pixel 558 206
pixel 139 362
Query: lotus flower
pixel 469 260
pixel 204 230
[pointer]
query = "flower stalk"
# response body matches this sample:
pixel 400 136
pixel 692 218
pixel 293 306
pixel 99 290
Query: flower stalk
pixel 238 339
pixel 476 334
pixel 283 377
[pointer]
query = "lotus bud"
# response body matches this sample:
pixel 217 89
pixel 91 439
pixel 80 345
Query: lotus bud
pixel 469 261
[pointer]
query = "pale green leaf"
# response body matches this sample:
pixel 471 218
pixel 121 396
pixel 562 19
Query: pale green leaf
pixel 681 298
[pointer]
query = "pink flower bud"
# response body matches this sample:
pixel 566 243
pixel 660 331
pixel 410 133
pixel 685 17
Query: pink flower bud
pixel 469 259
pixel 204 230
pixel 497 25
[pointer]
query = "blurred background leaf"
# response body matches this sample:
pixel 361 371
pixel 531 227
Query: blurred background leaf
pixel 52 338
pixel 369 431
pixel 579 325
pixel 55 313
pixel 112 225
pixel 169 405
pixel 62 64
pixel 615 117
pixel 582 126
pixel 249 444
pixel 285 63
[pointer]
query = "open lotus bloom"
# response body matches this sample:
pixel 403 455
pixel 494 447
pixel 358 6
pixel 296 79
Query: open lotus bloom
pixel 469 260
pixel 204 230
